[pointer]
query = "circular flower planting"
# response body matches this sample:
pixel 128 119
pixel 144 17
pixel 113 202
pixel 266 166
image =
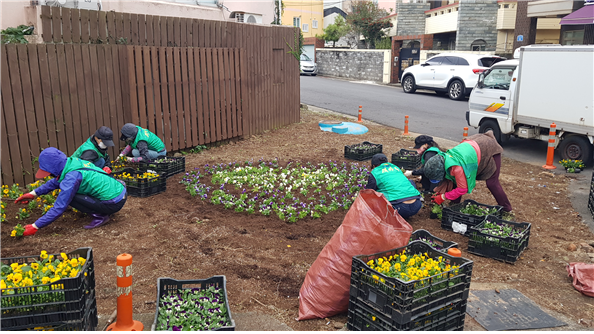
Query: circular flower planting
pixel 293 192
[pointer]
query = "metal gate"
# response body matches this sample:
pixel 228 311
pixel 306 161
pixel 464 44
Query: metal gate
pixel 408 57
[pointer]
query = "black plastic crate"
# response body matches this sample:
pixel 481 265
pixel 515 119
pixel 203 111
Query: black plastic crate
pixel 406 301
pixel 406 159
pixel 166 284
pixel 363 317
pixel 362 154
pixel 88 322
pixel 67 301
pixel 173 166
pixel 433 241
pixel 452 214
pixel 143 187
pixel 507 249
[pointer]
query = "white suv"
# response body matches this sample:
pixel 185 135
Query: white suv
pixel 454 74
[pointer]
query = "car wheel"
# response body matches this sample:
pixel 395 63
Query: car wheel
pixel 456 90
pixel 576 148
pixel 408 84
pixel 491 125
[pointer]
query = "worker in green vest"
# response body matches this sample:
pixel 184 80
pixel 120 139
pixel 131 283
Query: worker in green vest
pixel 389 180
pixel 477 158
pixel 144 145
pixel 95 149
pixel 83 186
pixel 427 148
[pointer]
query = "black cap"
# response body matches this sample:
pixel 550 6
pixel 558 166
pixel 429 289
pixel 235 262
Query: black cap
pixel 378 159
pixel 422 140
pixel 106 135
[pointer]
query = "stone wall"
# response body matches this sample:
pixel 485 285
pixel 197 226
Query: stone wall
pixel 411 18
pixel 477 19
pixel 372 65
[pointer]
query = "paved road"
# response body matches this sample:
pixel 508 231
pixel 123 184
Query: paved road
pixel 428 113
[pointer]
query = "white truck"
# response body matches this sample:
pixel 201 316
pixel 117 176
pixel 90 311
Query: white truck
pixel 545 84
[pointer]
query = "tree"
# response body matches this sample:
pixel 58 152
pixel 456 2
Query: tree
pixel 333 32
pixel 367 19
pixel 277 16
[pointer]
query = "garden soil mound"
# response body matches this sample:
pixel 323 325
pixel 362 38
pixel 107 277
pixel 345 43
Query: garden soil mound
pixel 175 235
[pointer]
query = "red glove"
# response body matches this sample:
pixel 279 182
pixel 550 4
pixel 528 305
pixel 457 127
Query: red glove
pixel 24 198
pixel 438 198
pixel 107 170
pixel 29 230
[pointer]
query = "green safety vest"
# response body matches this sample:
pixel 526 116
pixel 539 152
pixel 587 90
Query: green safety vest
pixel 95 182
pixel 86 146
pixel 392 183
pixel 154 142
pixel 431 149
pixel 463 155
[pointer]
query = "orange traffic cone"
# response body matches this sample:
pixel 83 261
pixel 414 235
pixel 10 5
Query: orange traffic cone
pixel 124 321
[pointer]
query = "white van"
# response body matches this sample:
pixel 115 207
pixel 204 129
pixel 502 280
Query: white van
pixel 548 83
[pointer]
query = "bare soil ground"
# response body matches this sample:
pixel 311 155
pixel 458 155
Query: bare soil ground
pixel 175 235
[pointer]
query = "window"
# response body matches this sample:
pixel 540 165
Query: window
pixel 297 22
pixel 314 24
pixel 573 37
pixel 489 61
pixel 305 27
pixel 478 45
pixel 462 62
pixel 506 6
pixel 435 61
pixel 499 78
pixel 449 10
pixel 435 14
pixel 448 61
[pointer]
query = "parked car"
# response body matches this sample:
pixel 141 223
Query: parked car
pixel 454 74
pixel 308 66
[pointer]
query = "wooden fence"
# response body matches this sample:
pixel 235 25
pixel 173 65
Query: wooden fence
pixel 272 73
pixel 189 81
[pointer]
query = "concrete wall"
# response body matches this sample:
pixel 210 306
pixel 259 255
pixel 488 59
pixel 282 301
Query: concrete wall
pixel 372 65
pixel 411 18
pixel 477 19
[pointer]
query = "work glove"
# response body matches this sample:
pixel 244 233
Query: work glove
pixel 24 199
pixel 408 173
pixel 30 229
pixel 438 198
pixel 107 170
pixel 129 159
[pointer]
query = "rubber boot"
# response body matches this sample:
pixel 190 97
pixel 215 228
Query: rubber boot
pixel 97 221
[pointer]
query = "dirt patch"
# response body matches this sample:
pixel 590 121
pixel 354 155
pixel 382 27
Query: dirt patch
pixel 175 235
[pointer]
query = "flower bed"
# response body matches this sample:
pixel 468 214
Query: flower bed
pixel 142 184
pixel 406 159
pixel 166 166
pixel 573 166
pixel 43 291
pixel 293 192
pixel 499 239
pixel 409 282
pixel 435 242
pixel 460 217
pixel 363 151
pixel 193 305
pixel 43 202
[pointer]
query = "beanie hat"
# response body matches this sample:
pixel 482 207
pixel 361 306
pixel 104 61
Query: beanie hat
pixel 434 168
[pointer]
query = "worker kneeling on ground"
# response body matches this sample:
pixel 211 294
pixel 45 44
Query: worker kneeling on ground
pixel 389 180
pixel 95 149
pixel 476 158
pixel 83 186
pixel 427 148
pixel 144 145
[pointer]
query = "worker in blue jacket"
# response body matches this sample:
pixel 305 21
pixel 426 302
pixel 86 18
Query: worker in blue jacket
pixel 83 186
